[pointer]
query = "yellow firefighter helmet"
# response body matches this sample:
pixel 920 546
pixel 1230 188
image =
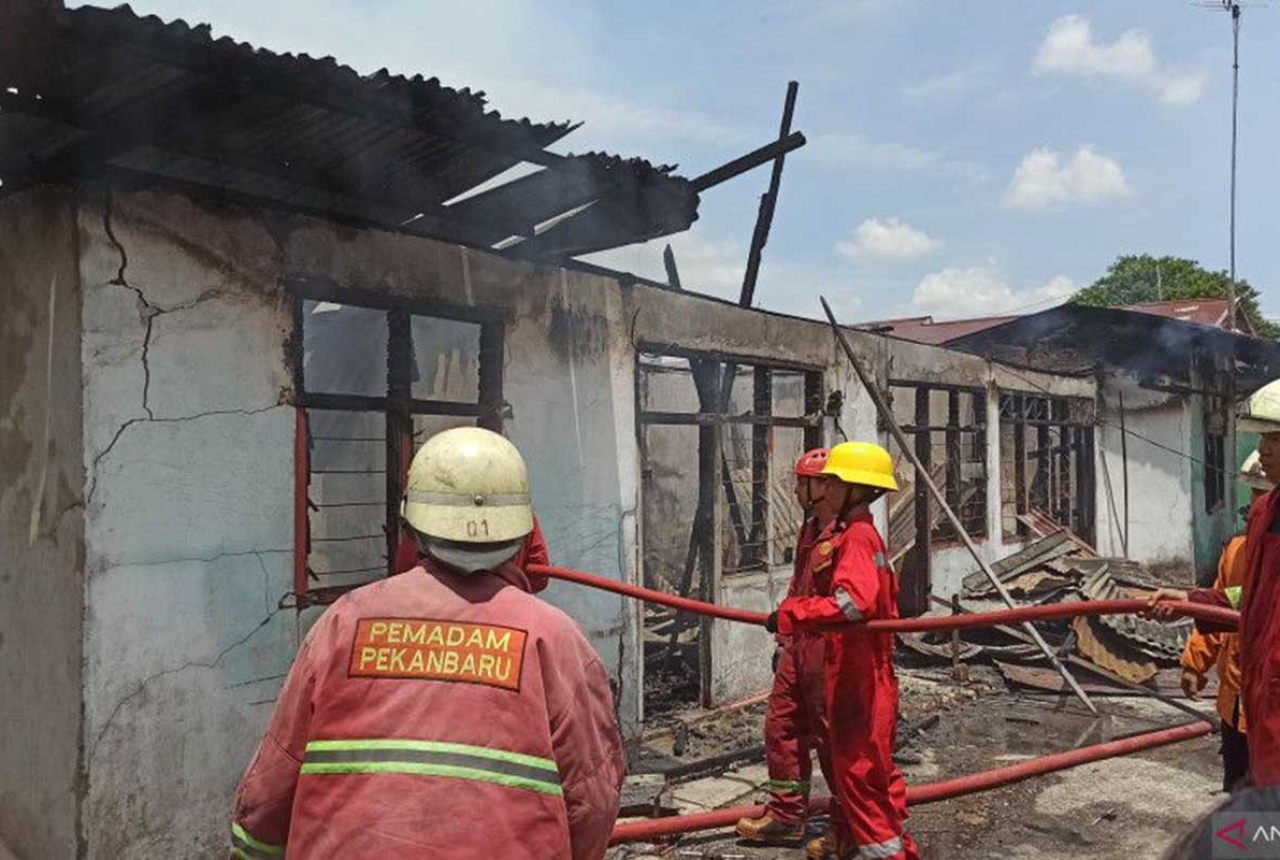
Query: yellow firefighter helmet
pixel 861 463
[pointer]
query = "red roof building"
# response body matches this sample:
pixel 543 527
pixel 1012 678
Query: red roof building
pixel 1208 312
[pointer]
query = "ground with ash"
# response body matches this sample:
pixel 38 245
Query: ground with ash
pixel 1121 808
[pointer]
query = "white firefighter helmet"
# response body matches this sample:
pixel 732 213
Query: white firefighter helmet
pixel 468 485
pixel 1261 412
pixel 1252 475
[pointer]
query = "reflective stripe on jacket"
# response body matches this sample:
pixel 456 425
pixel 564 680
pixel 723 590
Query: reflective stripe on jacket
pixel 437 715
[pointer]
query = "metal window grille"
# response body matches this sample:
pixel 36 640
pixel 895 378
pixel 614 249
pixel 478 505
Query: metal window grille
pixel 1047 462
pixel 375 377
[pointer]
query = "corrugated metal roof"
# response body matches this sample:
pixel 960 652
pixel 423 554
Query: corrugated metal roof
pixel 926 330
pixel 109 95
pixel 1211 312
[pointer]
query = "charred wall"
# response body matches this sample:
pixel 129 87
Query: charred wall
pixel 41 525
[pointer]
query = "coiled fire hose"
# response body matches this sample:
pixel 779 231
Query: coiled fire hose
pixel 655 829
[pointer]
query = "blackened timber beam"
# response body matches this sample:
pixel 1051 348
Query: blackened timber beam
pixel 399 422
pixel 1020 463
pixel 918 582
pixel 953 456
pixel 750 161
pixel 813 405
pixel 712 418
pixel 362 403
pixel 762 396
pixel 764 218
pixel 768 204
pixel 673 274
pixel 492 406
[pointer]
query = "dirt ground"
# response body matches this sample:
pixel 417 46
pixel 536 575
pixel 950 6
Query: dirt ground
pixel 1121 808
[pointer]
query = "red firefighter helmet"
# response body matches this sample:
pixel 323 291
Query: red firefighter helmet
pixel 811 463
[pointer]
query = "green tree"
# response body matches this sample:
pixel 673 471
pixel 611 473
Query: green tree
pixel 1135 279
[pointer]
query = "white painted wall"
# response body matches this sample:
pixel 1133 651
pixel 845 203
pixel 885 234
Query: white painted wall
pixel 41 525
pixel 741 654
pixel 1160 502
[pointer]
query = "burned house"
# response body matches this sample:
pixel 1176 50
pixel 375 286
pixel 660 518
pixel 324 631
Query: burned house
pixel 240 287
pixel 1165 429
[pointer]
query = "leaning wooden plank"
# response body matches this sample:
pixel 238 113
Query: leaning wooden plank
pixel 1033 555
pixel 1045 524
pixel 1039 678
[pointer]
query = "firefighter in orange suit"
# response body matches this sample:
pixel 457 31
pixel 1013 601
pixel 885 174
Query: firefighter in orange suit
pixel 861 689
pixel 1223 649
pixel 445 712
pixel 795 723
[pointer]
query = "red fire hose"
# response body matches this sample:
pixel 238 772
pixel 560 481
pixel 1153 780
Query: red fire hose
pixel 655 828
pixel 1053 611
pixel 917 795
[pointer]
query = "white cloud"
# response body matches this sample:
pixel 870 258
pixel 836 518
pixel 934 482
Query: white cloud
pixel 613 122
pixel 715 266
pixel 946 86
pixel 706 265
pixel 1069 48
pixel 886 239
pixel 853 150
pixel 1045 180
pixel 982 291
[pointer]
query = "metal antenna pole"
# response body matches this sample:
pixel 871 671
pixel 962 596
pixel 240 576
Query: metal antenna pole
pixel 886 413
pixel 1235 99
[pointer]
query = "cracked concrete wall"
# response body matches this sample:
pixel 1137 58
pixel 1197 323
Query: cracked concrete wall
pixel 41 525
pixel 189 488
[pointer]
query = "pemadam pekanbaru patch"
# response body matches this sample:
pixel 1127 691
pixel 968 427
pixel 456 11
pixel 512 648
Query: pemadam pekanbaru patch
pixel 429 649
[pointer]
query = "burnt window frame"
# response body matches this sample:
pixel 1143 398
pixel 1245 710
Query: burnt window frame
pixel 941 532
pixel 398 406
pixel 1216 422
pixel 761 420
pixel 1068 491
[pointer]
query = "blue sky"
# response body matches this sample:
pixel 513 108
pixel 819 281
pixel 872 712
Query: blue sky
pixel 964 158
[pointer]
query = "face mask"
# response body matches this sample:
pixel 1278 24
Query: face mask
pixel 461 557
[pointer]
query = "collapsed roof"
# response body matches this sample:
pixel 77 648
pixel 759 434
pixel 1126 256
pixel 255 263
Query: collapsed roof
pixel 104 95
pixel 1080 339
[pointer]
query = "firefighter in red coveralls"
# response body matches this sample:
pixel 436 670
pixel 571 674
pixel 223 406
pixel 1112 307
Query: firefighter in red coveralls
pixel 796 722
pixel 1259 655
pixel 861 690
pixel 445 712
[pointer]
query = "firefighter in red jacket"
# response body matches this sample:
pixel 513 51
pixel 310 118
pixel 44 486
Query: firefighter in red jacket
pixel 445 712
pixel 795 723
pixel 861 689
pixel 1259 655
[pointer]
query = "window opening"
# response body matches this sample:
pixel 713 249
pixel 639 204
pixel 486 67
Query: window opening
pixel 718 493
pixel 947 428
pixel 1047 462
pixel 374 383
pixel 1215 452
